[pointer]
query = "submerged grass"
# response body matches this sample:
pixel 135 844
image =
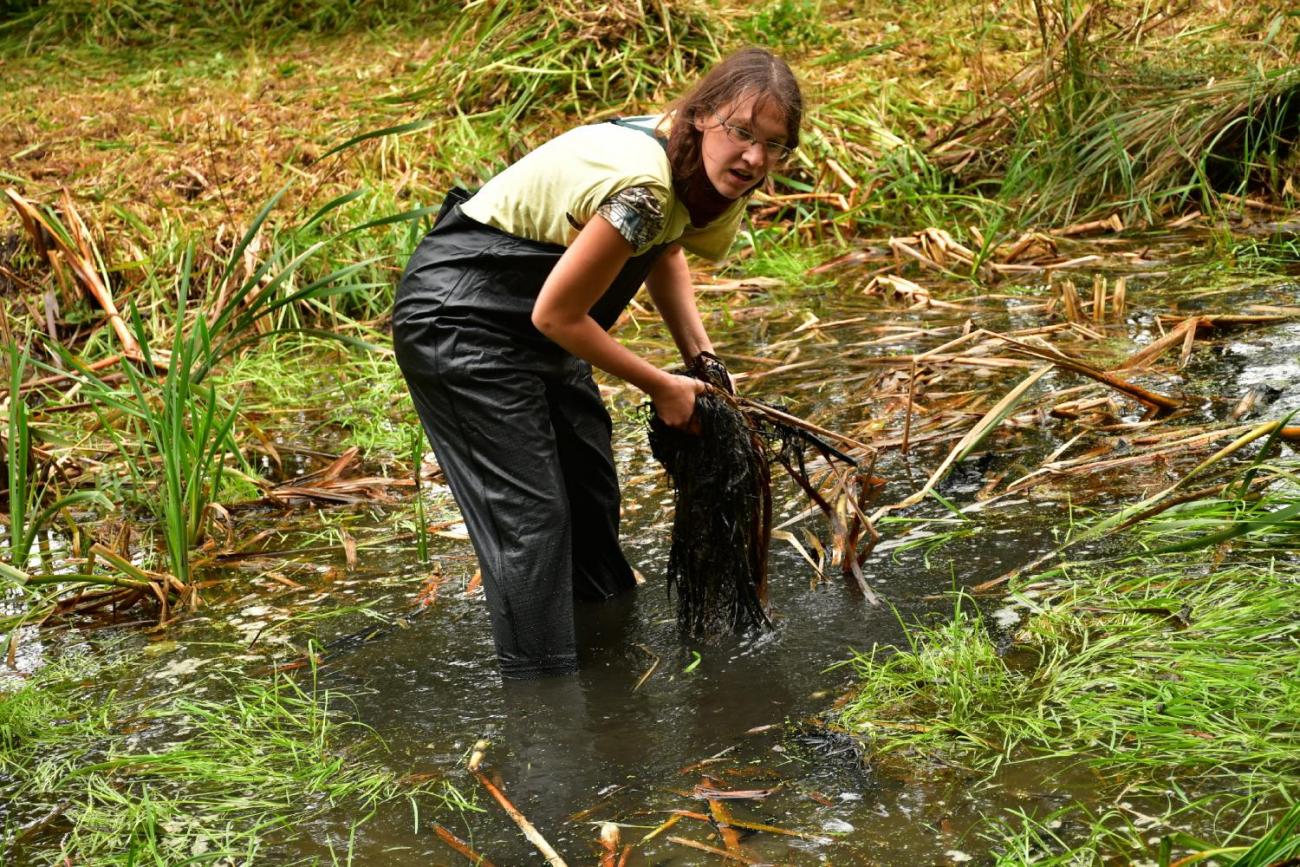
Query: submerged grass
pixel 183 777
pixel 1188 668
pixel 1171 673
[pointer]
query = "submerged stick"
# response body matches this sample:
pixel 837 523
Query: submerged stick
pixel 668 823
pixel 530 831
pixel 714 850
pixel 1156 348
pixel 773 829
pixel 461 846
pixel 722 822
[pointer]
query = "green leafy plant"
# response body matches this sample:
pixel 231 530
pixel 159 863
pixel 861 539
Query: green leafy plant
pixel 28 512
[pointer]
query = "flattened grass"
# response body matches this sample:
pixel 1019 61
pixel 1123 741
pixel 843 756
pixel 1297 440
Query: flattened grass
pixel 1173 674
pixel 183 777
pixel 1186 669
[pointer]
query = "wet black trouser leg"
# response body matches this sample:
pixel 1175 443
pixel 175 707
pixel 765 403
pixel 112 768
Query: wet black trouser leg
pixel 524 442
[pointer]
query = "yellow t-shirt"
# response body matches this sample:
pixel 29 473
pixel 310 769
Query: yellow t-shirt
pixel 553 191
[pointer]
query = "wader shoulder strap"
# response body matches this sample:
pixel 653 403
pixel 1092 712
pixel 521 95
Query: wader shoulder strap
pixel 455 196
pixel 644 124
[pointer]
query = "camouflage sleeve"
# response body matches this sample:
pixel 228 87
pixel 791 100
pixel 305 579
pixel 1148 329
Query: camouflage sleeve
pixel 635 213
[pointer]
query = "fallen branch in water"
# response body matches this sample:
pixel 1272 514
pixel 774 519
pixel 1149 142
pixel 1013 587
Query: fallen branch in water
pixel 714 850
pixel 461 846
pixel 530 831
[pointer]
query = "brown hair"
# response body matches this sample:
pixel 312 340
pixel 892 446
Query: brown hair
pixel 748 71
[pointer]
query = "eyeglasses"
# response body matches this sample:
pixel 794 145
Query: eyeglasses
pixel 774 150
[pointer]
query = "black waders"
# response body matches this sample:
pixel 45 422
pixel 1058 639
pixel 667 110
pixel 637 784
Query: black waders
pixel 519 430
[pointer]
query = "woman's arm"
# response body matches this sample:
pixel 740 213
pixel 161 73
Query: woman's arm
pixel 562 313
pixel 670 287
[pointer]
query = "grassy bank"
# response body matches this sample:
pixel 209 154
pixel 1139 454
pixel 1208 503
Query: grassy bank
pixel 1172 676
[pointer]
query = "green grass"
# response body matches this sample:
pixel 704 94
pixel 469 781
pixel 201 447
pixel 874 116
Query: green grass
pixel 1074 838
pixel 1116 677
pixel 27 510
pixel 1171 673
pixel 181 776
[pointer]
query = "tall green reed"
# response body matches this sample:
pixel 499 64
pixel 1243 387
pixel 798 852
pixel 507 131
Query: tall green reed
pixel 28 512
pixel 177 423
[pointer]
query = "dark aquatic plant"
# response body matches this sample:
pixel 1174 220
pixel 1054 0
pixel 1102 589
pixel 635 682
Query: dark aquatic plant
pixel 722 485
pixel 723 518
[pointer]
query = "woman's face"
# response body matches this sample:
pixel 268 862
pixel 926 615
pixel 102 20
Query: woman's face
pixel 740 143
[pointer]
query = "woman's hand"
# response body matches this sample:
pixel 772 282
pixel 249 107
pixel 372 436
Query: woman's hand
pixel 674 402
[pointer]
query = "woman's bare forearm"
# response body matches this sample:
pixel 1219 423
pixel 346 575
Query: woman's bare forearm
pixel 671 289
pixel 561 312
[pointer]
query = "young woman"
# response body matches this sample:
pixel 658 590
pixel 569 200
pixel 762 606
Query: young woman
pixel 505 307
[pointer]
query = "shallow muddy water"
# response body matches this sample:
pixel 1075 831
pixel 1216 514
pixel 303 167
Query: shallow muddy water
pixel 617 744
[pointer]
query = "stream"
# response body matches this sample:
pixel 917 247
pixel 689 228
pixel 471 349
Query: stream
pixel 651 716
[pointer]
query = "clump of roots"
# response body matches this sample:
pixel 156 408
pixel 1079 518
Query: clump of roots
pixel 723 523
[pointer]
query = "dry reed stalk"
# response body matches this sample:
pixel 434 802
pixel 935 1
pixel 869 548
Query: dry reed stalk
pixel 1228 320
pixel 773 829
pixel 1185 354
pixel 661 828
pixel 79 257
pixel 1099 293
pixel 902 249
pixel 1110 224
pixel 911 406
pixel 1122 517
pixel 461 846
pixel 1157 403
pixel 784 368
pixel 1074 408
pixel 973 437
pixel 1270 309
pixel 945 347
pixel 529 830
pixel 1086 465
pixel 654 664
pixel 713 850
pixel 1070 297
pixel 934 360
pixel 775 414
pixel 1149 353
pixel 722 822
pixel 1257 204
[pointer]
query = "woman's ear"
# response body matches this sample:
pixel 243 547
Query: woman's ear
pixel 698 122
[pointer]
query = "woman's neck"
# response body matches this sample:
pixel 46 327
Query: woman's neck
pixel 703 201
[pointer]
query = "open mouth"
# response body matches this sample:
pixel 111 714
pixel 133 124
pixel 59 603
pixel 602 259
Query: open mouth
pixel 742 176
